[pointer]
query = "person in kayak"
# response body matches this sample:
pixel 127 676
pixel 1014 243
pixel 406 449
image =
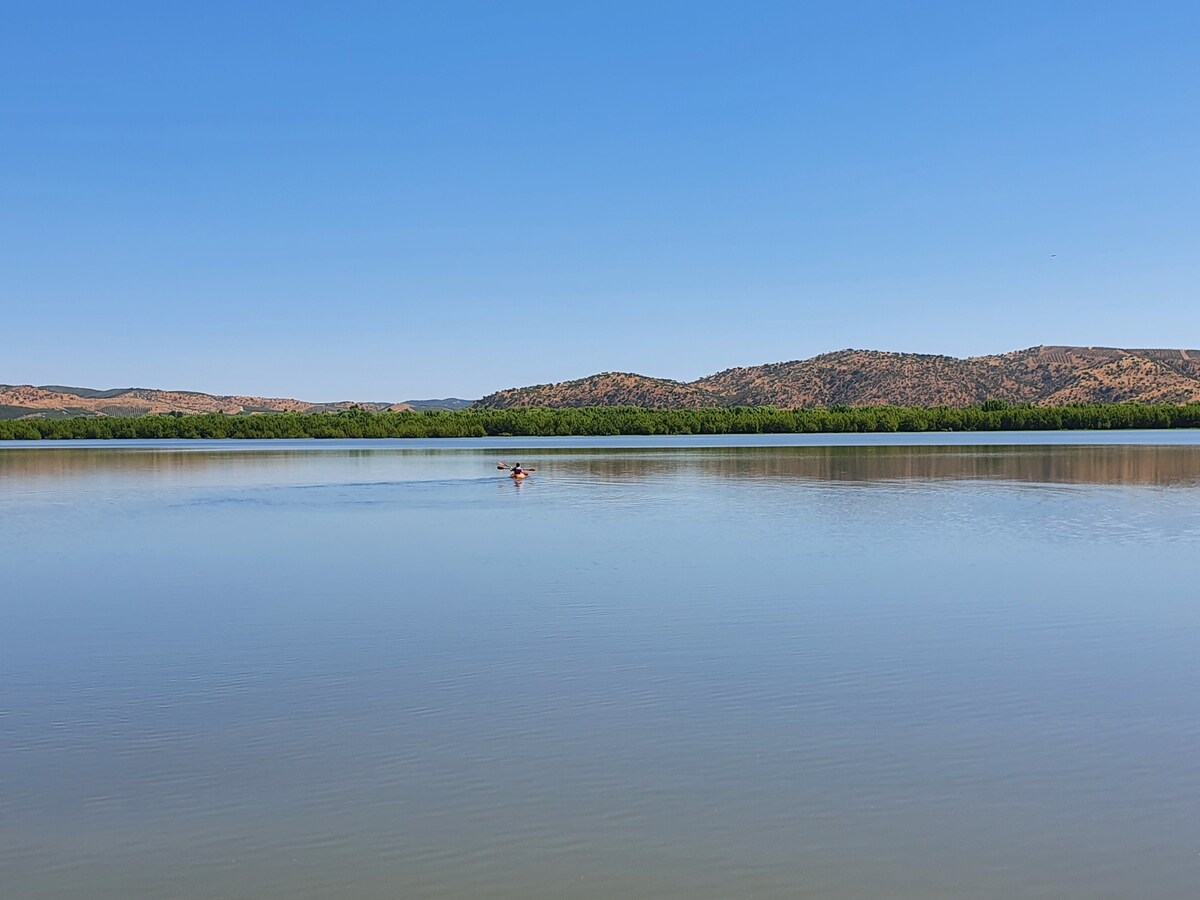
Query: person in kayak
pixel 516 471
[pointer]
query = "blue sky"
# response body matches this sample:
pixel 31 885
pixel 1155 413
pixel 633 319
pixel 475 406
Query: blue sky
pixel 392 201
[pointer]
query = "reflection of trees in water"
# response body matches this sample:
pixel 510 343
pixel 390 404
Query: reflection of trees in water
pixel 75 462
pixel 1115 464
pixel 1038 465
pixel 51 462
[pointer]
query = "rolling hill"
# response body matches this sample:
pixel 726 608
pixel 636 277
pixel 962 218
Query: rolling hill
pixel 1053 376
pixel 1043 376
pixel 61 402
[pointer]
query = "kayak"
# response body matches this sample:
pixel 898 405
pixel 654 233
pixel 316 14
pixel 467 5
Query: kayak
pixel 519 475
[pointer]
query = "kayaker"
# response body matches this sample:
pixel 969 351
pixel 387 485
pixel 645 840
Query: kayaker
pixel 515 471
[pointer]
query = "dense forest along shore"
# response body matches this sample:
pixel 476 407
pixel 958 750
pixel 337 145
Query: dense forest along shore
pixel 597 421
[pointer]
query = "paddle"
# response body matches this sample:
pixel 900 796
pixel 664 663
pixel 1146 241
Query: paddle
pixel 503 465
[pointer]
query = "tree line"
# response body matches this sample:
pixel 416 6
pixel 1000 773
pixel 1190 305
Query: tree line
pixel 993 415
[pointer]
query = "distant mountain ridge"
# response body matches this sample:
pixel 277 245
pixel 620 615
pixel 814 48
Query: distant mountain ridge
pixel 1043 375
pixel 53 401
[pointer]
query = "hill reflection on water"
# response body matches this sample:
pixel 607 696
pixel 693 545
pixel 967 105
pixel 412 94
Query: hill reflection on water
pixel 1144 465
pixel 1033 464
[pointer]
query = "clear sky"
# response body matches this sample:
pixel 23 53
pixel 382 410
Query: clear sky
pixel 387 201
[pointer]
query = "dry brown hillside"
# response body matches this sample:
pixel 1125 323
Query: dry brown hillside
pixel 27 401
pixel 606 389
pixel 1039 375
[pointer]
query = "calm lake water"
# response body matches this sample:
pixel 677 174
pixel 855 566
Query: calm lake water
pixel 655 669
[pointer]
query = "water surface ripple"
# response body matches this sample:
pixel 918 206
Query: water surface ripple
pixel 375 670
